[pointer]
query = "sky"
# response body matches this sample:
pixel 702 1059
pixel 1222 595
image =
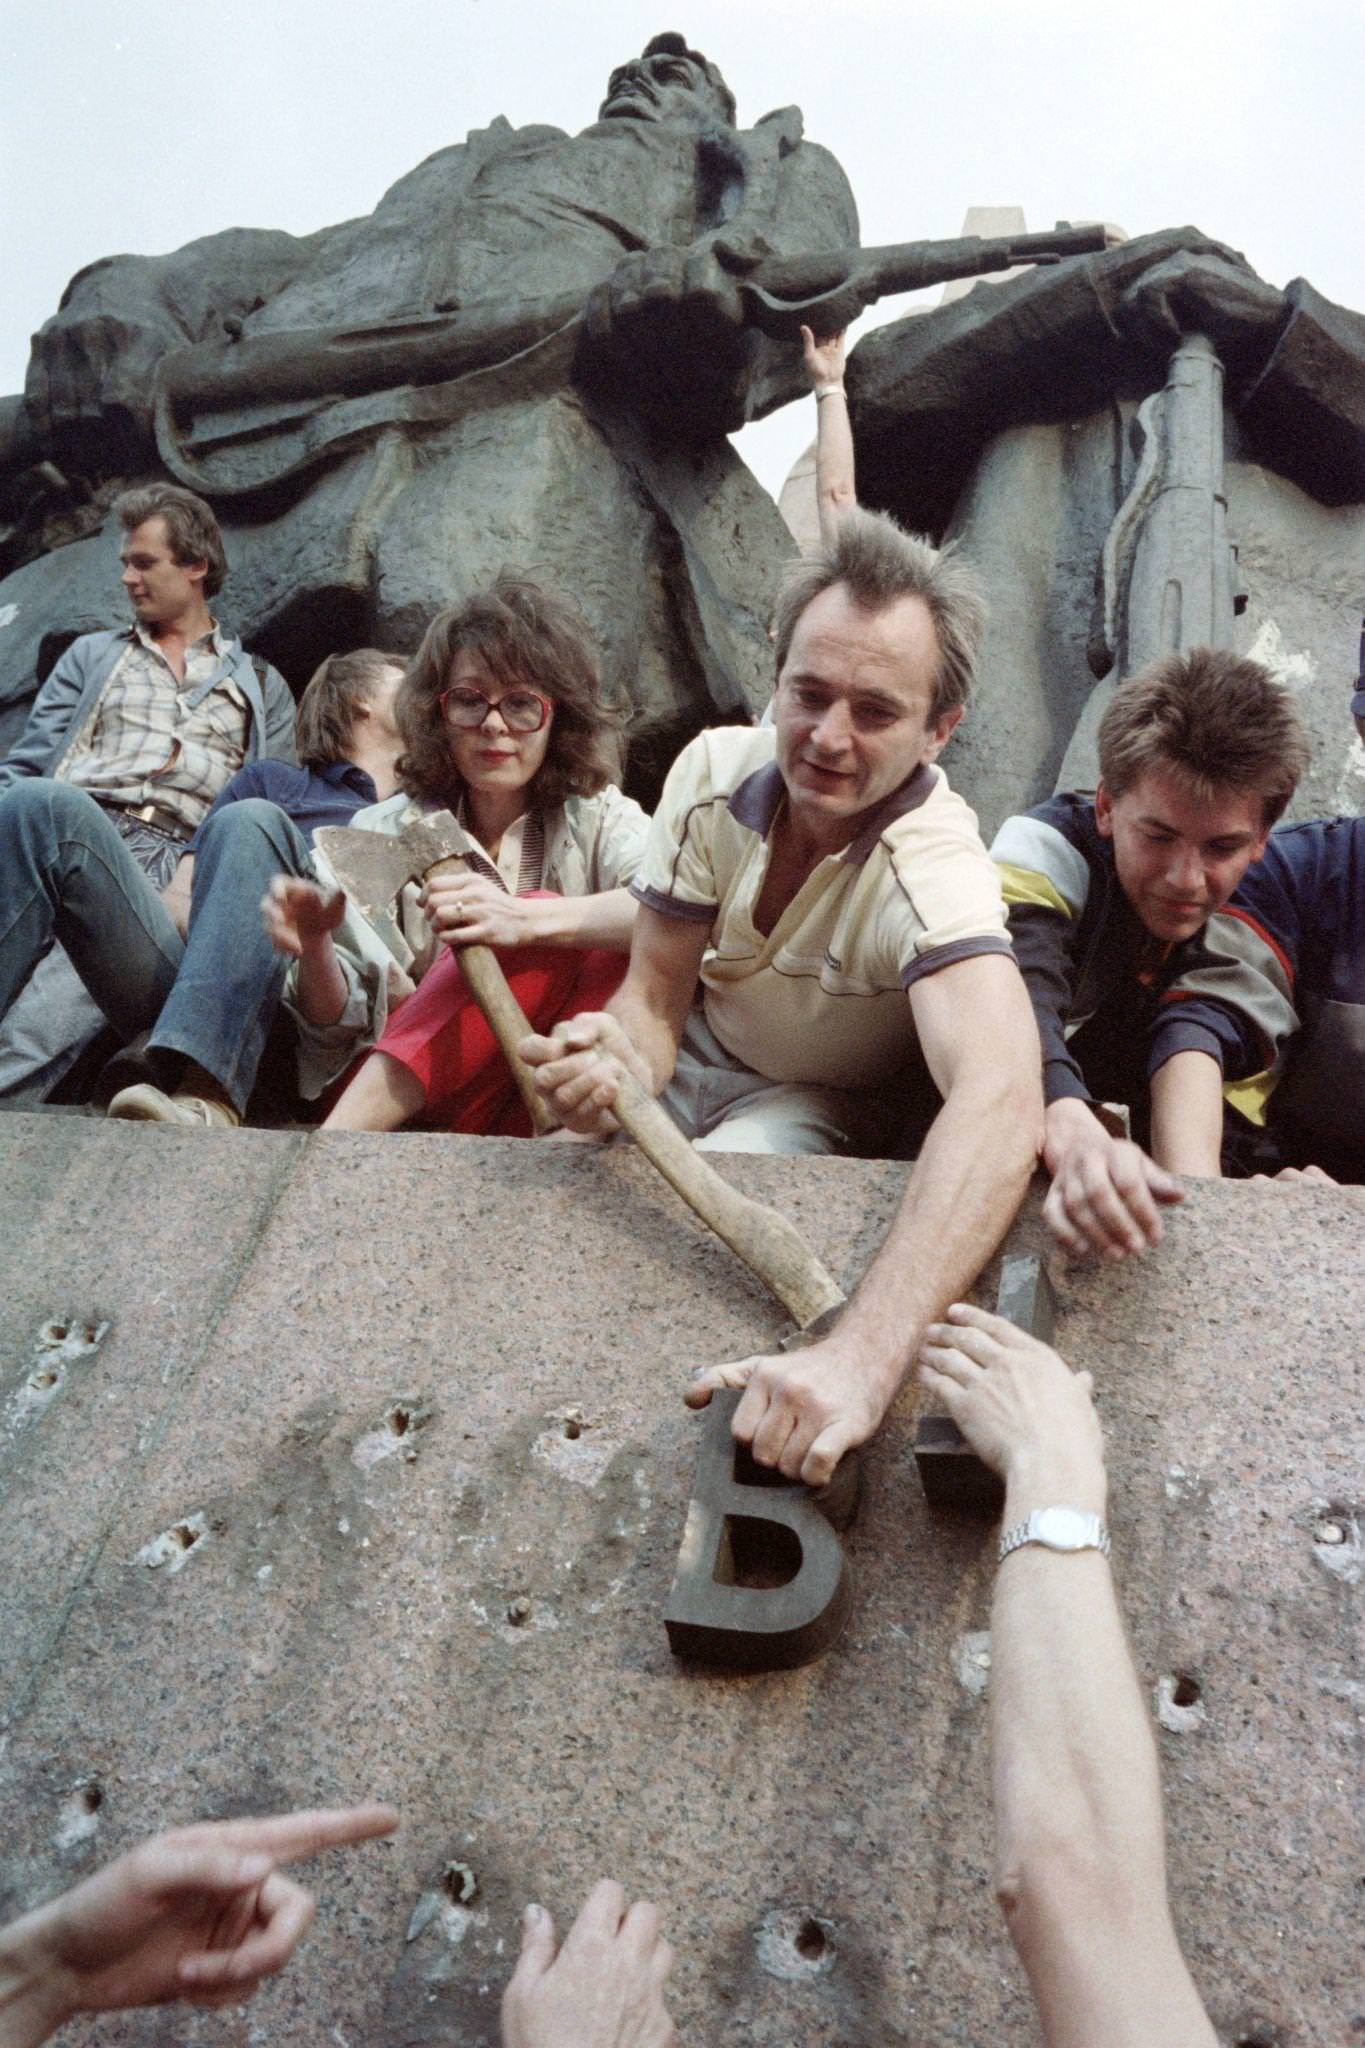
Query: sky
pixel 139 127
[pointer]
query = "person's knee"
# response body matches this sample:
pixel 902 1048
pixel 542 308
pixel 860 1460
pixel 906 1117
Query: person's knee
pixel 37 799
pixel 253 821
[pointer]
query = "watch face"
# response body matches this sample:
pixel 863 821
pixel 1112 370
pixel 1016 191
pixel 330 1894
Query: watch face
pixel 1063 1528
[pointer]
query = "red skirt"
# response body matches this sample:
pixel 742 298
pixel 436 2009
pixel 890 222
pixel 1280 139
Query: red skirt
pixel 440 1036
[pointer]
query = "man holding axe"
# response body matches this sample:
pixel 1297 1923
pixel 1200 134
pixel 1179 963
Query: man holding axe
pixel 818 918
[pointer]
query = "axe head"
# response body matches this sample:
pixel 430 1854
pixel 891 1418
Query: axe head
pixel 372 867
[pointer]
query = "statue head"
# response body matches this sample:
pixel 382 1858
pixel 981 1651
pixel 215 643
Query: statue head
pixel 670 83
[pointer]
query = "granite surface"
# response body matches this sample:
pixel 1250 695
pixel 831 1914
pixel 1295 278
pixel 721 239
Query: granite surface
pixel 336 1466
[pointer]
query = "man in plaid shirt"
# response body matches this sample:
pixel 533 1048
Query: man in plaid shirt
pixel 137 730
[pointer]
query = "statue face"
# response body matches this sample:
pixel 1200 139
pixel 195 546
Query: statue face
pixel 663 87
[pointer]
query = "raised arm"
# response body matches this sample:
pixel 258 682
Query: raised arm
pixel 801 1413
pixel 835 493
pixel 1080 1858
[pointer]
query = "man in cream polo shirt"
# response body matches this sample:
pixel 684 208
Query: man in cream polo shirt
pixel 821 890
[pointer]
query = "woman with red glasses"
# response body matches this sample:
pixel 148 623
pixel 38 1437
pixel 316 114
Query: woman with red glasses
pixel 504 724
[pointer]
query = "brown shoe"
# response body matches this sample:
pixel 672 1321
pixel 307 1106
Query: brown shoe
pixel 148 1105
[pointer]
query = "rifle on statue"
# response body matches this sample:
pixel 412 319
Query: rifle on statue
pixel 245 413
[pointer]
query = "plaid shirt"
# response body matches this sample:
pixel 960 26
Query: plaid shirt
pixel 148 742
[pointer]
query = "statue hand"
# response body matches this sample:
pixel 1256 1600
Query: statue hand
pixel 1191 285
pixel 83 370
pixel 666 330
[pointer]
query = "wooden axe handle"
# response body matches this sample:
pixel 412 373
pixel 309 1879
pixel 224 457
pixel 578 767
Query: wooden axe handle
pixel 768 1244
pixel 508 1023
pixel 503 1014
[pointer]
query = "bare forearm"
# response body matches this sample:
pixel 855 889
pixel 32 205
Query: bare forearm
pixel 29 2008
pixel 320 985
pixel 962 1195
pixel 1187 1114
pixel 648 1030
pixel 606 920
pixel 835 492
pixel 1079 1848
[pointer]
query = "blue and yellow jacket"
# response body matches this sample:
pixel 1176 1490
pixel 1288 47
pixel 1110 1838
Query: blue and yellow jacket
pixel 1107 995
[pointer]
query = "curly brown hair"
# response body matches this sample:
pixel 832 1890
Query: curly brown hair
pixel 530 638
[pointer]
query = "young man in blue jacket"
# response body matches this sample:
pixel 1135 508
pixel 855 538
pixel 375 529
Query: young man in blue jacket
pixel 138 729
pixel 1109 901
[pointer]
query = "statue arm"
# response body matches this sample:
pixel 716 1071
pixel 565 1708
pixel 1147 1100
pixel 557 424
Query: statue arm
pixel 1305 413
pixel 88 393
pixel 929 391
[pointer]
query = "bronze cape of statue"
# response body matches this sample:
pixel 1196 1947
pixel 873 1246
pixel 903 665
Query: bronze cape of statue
pixel 532 352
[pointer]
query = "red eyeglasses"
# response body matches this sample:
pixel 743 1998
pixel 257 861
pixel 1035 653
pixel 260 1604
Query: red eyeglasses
pixel 520 710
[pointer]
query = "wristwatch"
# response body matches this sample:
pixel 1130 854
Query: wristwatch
pixel 1057 1529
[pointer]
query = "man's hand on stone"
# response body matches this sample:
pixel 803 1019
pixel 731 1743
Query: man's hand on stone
pixel 1020 1407
pixel 604 1989
pixel 578 1069
pixel 298 915
pixel 1105 1191
pixel 1316 1174
pixel 799 1412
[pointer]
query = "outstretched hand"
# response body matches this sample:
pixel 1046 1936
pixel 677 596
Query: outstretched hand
pixel 297 914
pixel 1106 1194
pixel 1019 1405
pixel 202 1913
pixel 604 1988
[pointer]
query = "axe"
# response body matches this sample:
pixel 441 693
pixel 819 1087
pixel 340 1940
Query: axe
pixel 373 867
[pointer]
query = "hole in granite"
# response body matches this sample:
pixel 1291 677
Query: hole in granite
pixel 54 1333
pixel 459 1883
pixel 41 1381
pixel 1257 2041
pixel 1184 1690
pixel 573 1427
pixel 519 1611
pixel 184 1536
pixel 810 1940
pixel 399 1420
pixel 90 1797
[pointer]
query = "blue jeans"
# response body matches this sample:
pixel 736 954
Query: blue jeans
pixel 66 874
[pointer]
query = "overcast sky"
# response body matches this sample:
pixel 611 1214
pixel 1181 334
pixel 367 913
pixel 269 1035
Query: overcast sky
pixel 137 127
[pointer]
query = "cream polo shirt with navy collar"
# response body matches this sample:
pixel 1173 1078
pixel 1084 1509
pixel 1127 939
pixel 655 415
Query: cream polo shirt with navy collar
pixel 822 999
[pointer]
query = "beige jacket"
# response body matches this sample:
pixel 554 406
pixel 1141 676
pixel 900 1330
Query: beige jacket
pixel 592 844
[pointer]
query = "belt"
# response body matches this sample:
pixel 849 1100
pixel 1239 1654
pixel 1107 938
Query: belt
pixel 160 820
